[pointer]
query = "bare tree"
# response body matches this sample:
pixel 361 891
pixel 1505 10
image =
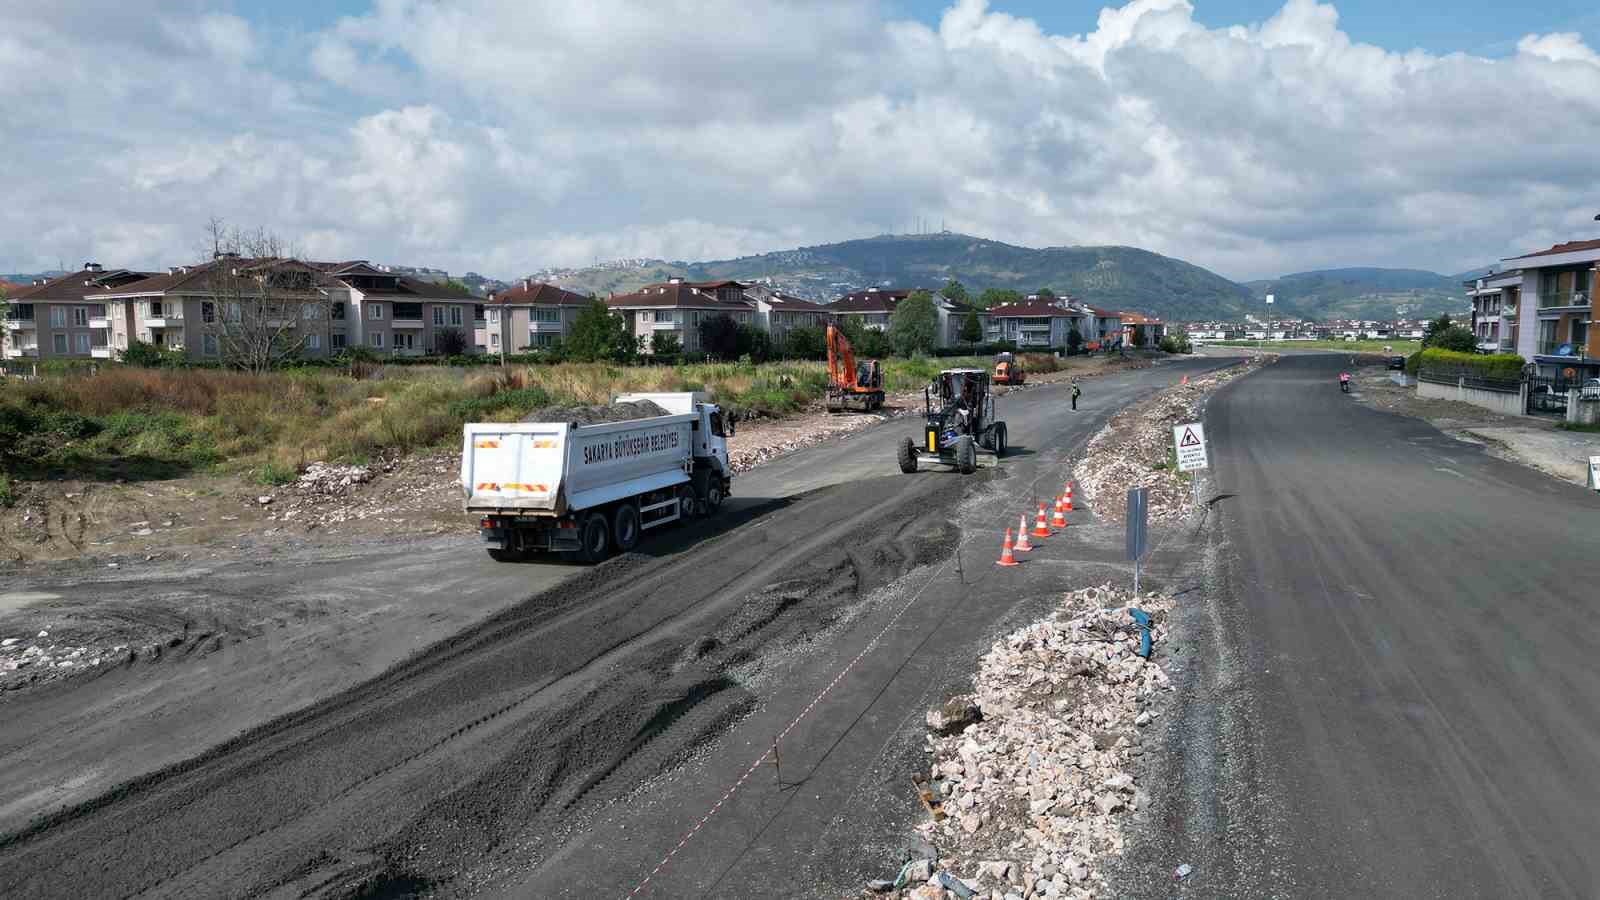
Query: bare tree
pixel 265 304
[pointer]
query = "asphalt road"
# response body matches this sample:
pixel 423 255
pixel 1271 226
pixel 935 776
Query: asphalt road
pixel 1402 663
pixel 569 742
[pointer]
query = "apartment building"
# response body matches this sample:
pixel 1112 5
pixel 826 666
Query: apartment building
pixel 1034 323
pixel 530 316
pixel 1555 311
pixel 1139 330
pixel 1494 310
pixel 64 317
pixel 778 313
pixel 395 314
pixel 677 308
pixel 872 307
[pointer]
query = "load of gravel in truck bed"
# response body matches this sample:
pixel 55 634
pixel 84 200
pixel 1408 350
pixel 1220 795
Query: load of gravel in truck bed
pixel 596 415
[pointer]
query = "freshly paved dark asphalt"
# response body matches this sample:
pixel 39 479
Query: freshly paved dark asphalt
pixel 1401 664
pixel 528 752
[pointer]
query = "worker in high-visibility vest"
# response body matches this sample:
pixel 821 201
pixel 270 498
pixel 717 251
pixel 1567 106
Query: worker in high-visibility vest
pixel 1076 391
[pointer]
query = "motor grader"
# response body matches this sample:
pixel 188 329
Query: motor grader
pixel 960 422
pixel 851 386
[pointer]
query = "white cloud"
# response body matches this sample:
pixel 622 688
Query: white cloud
pixel 504 135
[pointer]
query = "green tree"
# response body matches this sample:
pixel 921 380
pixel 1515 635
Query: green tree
pixel 914 326
pixel 450 342
pixel 598 334
pixel 1046 295
pixel 954 291
pixel 719 336
pixel 665 343
pixel 1434 328
pixel 1074 341
pixel 805 342
pixel 1455 337
pixel 993 297
pixel 971 328
pixel 753 342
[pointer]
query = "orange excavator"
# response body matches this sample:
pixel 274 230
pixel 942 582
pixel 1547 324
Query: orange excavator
pixel 851 386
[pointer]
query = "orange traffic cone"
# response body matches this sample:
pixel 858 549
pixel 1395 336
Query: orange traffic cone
pixel 1006 557
pixel 1040 529
pixel 1022 535
pixel 1059 519
pixel 1069 496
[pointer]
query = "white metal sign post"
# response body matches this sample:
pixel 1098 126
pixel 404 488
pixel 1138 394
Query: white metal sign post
pixel 1594 472
pixel 1190 441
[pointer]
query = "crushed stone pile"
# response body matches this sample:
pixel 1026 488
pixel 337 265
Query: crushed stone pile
pixel 1033 771
pixel 597 415
pixel 1135 450
pixel 30 660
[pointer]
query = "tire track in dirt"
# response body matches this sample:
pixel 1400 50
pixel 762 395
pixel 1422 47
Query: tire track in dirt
pixel 566 701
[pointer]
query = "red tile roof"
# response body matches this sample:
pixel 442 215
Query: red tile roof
pixel 74 286
pixel 876 300
pixel 1132 318
pixel 1568 247
pixel 675 295
pixel 537 293
pixel 1030 308
pixel 794 304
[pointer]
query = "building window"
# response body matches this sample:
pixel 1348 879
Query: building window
pixel 377 339
pixel 80 316
pixel 208 312
pixel 82 341
pixel 155 309
pixel 541 339
pixel 494 317
pixel 208 344
pixel 667 315
pixel 336 312
pixel 375 312
pixel 547 316
pixel 438 316
pixel 308 311
pixel 494 340
pixel 60 342
pixel 336 342
pixel 455 315
pixel 58 318
pixel 313 342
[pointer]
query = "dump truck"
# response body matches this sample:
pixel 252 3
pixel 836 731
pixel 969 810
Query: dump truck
pixel 584 491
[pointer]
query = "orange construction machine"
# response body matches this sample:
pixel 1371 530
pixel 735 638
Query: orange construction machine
pixel 851 386
pixel 1008 370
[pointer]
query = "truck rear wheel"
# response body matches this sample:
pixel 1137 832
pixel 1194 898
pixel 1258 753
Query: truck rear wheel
pixel 595 533
pixel 966 455
pixel 625 527
pixel 999 439
pixel 908 456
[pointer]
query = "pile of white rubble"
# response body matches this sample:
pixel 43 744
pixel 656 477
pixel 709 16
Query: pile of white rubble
pixel 1034 770
pixel 1135 450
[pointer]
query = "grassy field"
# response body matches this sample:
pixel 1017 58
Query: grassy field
pixel 1400 348
pixel 156 423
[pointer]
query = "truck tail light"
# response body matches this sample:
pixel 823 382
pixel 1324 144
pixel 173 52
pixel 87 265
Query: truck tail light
pixel 566 523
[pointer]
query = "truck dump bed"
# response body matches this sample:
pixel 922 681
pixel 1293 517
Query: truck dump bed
pixel 549 468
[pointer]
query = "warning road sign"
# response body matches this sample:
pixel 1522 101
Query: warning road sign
pixel 1191 443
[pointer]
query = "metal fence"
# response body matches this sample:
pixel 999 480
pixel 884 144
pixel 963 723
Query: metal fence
pixel 1547 395
pixel 1469 379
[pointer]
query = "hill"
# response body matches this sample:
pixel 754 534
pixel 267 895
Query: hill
pixel 1123 278
pixel 1361 293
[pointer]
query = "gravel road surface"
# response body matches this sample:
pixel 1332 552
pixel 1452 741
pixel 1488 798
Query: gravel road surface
pixel 1402 659
pixel 567 741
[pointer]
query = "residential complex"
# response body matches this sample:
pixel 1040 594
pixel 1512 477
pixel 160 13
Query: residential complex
pixel 1547 313
pixel 529 316
pixel 677 308
pixel 65 317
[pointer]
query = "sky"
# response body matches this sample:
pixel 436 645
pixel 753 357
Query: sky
pixel 1254 138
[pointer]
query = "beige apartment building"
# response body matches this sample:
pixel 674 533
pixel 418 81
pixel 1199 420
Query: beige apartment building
pixel 394 314
pixel 530 316
pixel 678 308
pixel 778 313
pixel 64 317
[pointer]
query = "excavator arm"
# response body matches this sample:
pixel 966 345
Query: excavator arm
pixel 841 361
pixel 849 386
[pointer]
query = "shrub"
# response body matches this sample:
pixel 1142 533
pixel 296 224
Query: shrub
pixel 1501 366
pixel 1455 338
pixel 275 473
pixel 8 496
pixel 806 342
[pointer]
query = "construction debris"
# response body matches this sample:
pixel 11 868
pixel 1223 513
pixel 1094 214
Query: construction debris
pixel 1135 450
pixel 1037 790
pixel 596 415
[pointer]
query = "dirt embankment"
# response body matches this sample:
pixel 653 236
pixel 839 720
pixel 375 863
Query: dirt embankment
pixel 1135 449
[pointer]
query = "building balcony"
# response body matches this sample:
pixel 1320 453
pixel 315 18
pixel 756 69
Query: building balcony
pixel 18 324
pixel 27 352
pixel 666 326
pixel 101 322
pixel 164 322
pixel 101 352
pixel 545 327
pixel 1564 301
pixel 1561 349
pixel 414 324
